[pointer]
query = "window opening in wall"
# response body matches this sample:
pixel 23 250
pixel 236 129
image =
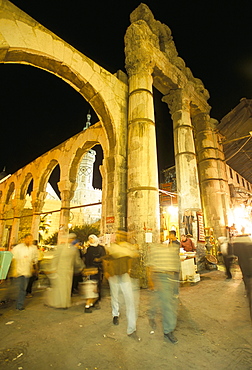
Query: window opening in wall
pixel 237 178
pixel 231 172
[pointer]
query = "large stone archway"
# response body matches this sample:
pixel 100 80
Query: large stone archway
pixel 201 176
pixel 126 130
pixel 25 41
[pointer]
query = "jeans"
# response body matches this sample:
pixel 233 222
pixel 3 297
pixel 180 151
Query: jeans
pixel 123 282
pixel 22 283
pixel 166 294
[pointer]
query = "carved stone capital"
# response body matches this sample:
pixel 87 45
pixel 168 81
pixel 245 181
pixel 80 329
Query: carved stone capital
pixel 38 200
pixel 177 100
pixel 202 120
pixel 17 206
pixel 138 58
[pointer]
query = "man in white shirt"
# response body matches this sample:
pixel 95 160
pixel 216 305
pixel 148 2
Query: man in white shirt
pixel 25 258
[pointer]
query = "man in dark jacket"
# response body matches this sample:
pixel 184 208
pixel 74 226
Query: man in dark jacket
pixel 242 248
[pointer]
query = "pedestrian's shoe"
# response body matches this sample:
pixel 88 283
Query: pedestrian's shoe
pixel 29 295
pixel 134 336
pixel 116 320
pixel 88 310
pixel 171 337
pixel 97 306
pixel 20 309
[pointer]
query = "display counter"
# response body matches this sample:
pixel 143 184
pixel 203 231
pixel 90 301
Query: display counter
pixel 188 268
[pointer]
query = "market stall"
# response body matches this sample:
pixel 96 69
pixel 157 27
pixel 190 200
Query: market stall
pixel 188 267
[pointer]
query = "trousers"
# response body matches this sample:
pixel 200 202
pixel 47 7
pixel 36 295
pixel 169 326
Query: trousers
pixel 22 282
pixel 123 283
pixel 165 295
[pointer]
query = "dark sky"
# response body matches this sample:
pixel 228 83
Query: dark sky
pixel 39 110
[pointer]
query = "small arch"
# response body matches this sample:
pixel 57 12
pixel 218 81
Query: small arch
pixel 77 158
pixel 10 192
pixel 45 177
pixel 54 179
pixel 25 185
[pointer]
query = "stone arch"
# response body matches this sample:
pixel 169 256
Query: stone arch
pixel 77 158
pixel 10 192
pixel 46 174
pixel 26 41
pixel 75 80
pixel 25 185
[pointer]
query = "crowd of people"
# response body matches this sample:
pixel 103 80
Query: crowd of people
pixel 75 270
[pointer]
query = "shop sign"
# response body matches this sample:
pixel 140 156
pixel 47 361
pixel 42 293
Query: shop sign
pixel 110 220
pixel 201 233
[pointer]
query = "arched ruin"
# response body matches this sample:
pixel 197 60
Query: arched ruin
pixel 126 129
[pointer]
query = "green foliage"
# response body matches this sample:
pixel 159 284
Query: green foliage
pixel 82 233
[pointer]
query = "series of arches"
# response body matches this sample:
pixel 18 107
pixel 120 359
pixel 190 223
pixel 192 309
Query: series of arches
pixel 126 127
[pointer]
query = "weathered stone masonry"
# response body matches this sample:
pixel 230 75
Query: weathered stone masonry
pixel 126 128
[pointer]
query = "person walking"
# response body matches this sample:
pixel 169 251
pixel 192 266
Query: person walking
pixel 117 266
pixel 25 259
pixel 66 261
pixel 35 272
pixel 225 249
pixel 77 277
pixel 94 252
pixel 242 248
pixel 164 268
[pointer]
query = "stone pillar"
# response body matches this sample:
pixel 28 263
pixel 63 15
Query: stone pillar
pixel 113 171
pixel 143 196
pixel 213 177
pixel 185 159
pixel 66 189
pixel 104 191
pixel 37 206
pixel 2 224
pixel 17 207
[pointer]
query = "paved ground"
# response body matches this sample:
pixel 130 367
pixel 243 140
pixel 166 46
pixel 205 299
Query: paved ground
pixel 214 331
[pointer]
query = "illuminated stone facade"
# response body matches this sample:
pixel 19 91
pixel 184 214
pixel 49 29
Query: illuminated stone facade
pixel 125 131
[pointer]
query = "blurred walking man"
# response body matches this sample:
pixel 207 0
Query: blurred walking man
pixel 25 259
pixel 164 269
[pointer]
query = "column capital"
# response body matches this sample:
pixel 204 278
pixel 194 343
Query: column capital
pixel 177 99
pixel 202 120
pixel 67 189
pixel 139 65
pixel 38 200
pixel 138 57
pixel 65 185
pixel 17 206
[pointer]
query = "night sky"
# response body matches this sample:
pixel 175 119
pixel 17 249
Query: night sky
pixel 40 111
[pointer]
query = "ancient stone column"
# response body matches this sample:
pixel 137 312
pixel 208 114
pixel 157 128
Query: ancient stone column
pixel 37 206
pixel 2 223
pixel 113 171
pixel 104 191
pixel 212 172
pixel 66 189
pixel 143 196
pixel 185 160
pixel 17 207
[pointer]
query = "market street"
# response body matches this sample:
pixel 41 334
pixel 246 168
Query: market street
pixel 214 332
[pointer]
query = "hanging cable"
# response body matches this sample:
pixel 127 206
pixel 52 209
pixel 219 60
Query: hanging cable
pixel 238 150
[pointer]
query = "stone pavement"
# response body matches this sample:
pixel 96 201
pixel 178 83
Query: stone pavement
pixel 214 332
